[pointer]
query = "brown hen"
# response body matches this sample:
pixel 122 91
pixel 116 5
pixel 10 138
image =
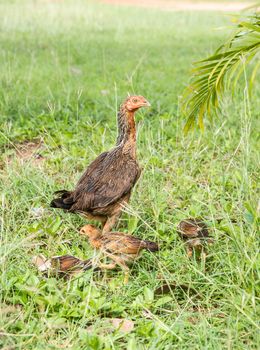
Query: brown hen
pixel 107 183
pixel 121 248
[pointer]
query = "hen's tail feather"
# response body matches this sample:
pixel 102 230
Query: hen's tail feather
pixel 60 192
pixel 64 201
pixel 63 193
pixel 58 203
pixel 151 246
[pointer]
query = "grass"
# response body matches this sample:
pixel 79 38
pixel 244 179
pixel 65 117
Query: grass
pixel 64 69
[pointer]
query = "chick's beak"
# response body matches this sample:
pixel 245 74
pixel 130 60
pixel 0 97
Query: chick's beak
pixel 82 231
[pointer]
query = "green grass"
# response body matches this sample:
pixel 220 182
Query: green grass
pixel 64 69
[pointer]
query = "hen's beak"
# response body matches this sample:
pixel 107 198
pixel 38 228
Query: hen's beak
pixel 146 104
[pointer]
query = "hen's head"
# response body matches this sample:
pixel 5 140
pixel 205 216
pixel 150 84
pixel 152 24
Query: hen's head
pixel 90 231
pixel 133 103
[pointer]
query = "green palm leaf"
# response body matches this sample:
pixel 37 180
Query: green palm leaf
pixel 211 75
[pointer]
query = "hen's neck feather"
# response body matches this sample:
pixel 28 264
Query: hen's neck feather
pixel 126 130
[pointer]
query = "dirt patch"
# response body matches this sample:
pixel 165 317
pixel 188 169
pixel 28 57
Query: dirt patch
pixel 27 151
pixel 175 5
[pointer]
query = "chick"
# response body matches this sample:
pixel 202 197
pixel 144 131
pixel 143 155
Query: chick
pixel 121 248
pixel 68 265
pixel 194 232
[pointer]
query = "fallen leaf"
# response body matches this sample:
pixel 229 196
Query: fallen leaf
pixel 42 263
pixel 37 213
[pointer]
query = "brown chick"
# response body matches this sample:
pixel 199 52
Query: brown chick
pixel 107 183
pixel 68 265
pixel 121 248
pixel 194 232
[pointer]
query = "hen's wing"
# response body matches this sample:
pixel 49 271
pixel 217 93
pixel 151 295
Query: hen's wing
pixel 92 169
pixel 66 199
pixel 107 179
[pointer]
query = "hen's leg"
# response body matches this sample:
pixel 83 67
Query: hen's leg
pixel 111 221
pixel 115 214
pixel 102 219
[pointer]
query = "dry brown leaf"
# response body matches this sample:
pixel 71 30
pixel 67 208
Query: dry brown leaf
pixel 42 263
pixel 37 213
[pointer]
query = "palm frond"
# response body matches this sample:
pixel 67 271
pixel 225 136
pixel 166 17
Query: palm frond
pixel 211 76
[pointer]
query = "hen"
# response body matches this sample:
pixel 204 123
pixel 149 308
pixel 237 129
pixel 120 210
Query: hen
pixel 121 248
pixel 108 181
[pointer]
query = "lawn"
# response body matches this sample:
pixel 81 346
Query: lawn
pixel 64 69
